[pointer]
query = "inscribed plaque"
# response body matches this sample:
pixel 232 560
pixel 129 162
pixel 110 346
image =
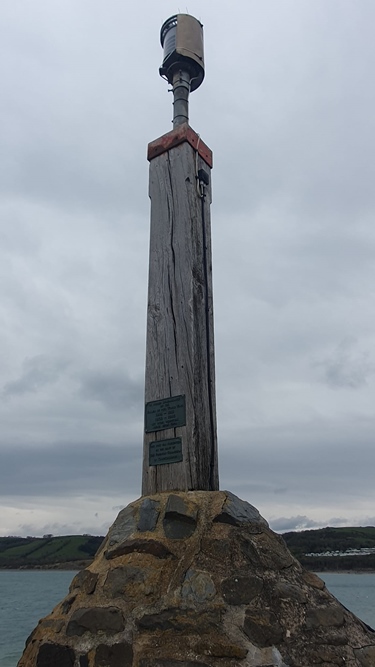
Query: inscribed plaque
pixel 165 451
pixel 166 413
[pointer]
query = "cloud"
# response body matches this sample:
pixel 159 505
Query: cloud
pixel 114 389
pixel 37 372
pixel 299 522
pixel 347 367
pixel 293 253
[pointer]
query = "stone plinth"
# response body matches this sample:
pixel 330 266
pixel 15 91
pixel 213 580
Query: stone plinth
pixel 197 580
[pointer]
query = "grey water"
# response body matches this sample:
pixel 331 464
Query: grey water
pixel 28 595
pixel 25 597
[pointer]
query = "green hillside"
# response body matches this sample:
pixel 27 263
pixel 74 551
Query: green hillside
pixel 334 548
pixel 48 551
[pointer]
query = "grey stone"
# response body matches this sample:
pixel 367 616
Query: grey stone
pixel 177 505
pixel 119 577
pixel 85 581
pixel 366 656
pixel 238 512
pixel 144 546
pixel 333 615
pixel 95 619
pixel 148 515
pixel 198 587
pixel 117 655
pixel 262 627
pixel 178 528
pixel 56 655
pixel 180 620
pixel 180 519
pixel 67 603
pixel 241 589
pixel 123 527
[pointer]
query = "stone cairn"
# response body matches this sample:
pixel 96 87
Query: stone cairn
pixel 197 579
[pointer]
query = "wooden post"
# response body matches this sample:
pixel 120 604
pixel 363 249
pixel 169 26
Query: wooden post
pixel 180 442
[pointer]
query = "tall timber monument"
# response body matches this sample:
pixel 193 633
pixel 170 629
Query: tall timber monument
pixel 188 575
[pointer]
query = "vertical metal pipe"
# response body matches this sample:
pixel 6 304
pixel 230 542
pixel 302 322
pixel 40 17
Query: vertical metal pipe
pixel 181 90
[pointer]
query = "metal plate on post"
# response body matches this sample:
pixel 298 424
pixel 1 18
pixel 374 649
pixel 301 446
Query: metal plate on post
pixel 165 451
pixel 164 414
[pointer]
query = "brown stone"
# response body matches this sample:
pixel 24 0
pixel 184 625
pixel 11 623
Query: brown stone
pixel 331 655
pixel 332 615
pixel 153 547
pixel 262 627
pixel 287 591
pixel 146 662
pixel 241 589
pixel 85 581
pixel 116 655
pixel 221 650
pixel 313 580
pixel 180 619
pixel 55 655
pixel 226 596
pixel 366 656
pixel 120 577
pixel 95 619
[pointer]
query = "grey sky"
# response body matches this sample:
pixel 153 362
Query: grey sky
pixel 288 108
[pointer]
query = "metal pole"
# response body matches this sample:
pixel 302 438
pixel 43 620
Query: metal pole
pixel 181 90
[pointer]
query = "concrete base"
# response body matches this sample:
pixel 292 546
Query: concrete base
pixel 197 580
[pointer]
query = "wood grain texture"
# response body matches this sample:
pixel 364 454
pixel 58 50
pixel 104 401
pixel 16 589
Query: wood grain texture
pixel 180 332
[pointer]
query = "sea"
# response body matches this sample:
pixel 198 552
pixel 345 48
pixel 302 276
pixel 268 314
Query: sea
pixel 28 595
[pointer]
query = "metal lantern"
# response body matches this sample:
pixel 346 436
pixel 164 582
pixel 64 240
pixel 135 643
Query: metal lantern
pixel 181 37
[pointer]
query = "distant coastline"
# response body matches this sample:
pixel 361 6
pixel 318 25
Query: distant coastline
pixel 331 550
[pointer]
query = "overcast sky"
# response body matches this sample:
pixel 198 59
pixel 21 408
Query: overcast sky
pixel 287 106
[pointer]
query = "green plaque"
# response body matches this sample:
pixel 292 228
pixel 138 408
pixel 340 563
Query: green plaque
pixel 166 413
pixel 165 451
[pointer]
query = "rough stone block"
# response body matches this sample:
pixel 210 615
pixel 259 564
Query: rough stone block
pixel 117 655
pixel 147 662
pixel 221 650
pixel 262 627
pixel 180 620
pixel 287 591
pixel 56 655
pixel 198 587
pixel 85 581
pixel 148 515
pixel 177 505
pixel 366 656
pixel 118 578
pixel 238 590
pixel 124 526
pixel 95 619
pixel 153 547
pixel 313 580
pixel 238 512
pixel 180 518
pixel 332 615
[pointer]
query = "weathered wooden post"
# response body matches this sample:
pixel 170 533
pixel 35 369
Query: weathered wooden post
pixel 180 441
